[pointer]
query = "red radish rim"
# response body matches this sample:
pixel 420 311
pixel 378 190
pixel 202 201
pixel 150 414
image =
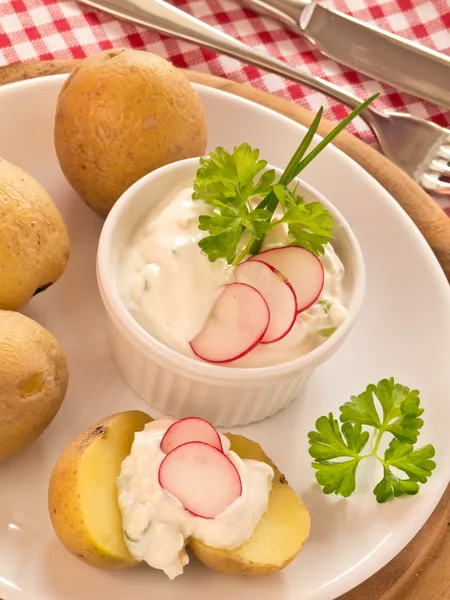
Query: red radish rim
pixel 288 283
pixel 322 273
pixel 322 283
pixel 247 350
pixel 209 446
pixel 281 275
pixel 198 441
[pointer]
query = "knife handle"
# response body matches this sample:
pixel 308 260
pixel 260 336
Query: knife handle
pixel 169 20
pixel 288 12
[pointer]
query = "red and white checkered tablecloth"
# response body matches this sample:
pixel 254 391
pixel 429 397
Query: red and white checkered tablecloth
pixel 61 29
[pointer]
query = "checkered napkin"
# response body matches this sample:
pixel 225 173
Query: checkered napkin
pixel 46 29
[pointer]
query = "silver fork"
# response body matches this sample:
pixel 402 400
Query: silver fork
pixel 419 147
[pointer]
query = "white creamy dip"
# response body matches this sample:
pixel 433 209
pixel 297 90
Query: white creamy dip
pixel 156 526
pixel 169 285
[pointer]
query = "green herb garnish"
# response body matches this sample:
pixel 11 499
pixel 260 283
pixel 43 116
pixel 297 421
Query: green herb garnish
pixel 231 183
pixel 327 332
pixel 326 305
pixel 399 415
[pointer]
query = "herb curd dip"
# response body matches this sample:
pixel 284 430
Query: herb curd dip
pixel 170 286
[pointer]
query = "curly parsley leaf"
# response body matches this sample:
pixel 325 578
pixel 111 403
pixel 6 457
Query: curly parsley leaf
pixel 337 477
pixel 329 442
pixel 391 485
pixel 226 181
pixel 264 184
pixel 221 172
pixel 230 183
pixel 337 448
pixel 400 410
pixel 222 245
pixel 218 224
pixel 286 197
pixel 361 409
pixel 310 225
pixel 416 464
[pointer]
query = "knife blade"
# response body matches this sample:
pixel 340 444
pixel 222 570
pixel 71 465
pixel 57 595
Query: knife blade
pixel 382 55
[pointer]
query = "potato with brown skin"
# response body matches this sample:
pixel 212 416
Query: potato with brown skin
pixel 84 505
pixel 83 495
pixel 120 115
pixel 33 381
pixel 34 244
pixel 279 535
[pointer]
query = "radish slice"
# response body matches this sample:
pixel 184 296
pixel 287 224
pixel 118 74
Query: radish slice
pixel 301 268
pixel 238 321
pixel 190 429
pixel 276 291
pixel 201 477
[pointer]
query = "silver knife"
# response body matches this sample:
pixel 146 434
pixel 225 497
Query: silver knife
pixel 379 54
pixel 170 20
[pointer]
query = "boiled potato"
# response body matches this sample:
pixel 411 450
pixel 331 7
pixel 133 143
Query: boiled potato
pixel 120 115
pixel 83 497
pixel 279 535
pixel 84 508
pixel 33 381
pixel 34 245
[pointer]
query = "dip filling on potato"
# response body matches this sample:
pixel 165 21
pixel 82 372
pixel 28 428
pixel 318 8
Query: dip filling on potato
pixel 199 488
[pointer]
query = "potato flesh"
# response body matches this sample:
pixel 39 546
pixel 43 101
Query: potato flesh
pixel 279 535
pixel 83 494
pixel 97 484
pixel 281 531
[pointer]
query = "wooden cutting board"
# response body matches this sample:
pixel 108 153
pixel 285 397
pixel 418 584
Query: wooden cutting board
pixel 422 570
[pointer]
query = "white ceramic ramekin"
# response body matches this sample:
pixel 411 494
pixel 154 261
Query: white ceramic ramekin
pixel 178 385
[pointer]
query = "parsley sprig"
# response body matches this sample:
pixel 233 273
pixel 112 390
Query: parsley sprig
pixel 233 183
pixel 398 414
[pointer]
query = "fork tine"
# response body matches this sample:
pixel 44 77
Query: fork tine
pixel 431 182
pixel 440 166
pixel 444 151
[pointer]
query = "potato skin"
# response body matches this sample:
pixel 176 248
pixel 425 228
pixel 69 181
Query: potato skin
pixel 66 516
pixel 64 502
pixel 120 115
pixel 33 381
pixel 34 244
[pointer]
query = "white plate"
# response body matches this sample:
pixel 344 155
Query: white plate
pixel 403 331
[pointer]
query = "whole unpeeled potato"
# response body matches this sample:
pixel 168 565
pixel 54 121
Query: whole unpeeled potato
pixel 33 381
pixel 34 244
pixel 120 115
